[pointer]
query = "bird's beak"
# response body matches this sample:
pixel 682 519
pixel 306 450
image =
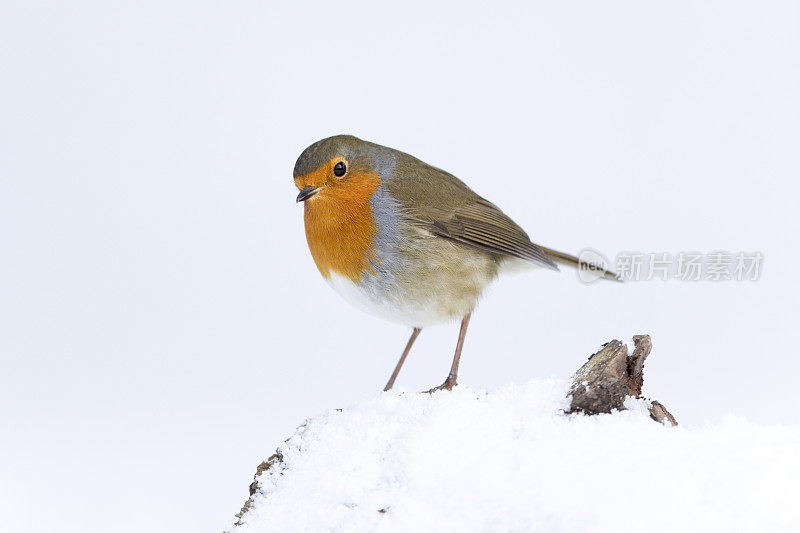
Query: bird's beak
pixel 307 193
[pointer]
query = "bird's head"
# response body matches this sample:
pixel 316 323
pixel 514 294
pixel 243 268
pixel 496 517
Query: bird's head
pixel 340 169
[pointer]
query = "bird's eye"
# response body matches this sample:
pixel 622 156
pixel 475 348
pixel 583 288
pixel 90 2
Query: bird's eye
pixel 339 169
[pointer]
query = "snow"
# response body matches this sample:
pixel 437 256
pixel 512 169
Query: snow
pixel 510 460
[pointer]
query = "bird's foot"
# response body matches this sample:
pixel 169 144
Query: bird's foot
pixel 447 385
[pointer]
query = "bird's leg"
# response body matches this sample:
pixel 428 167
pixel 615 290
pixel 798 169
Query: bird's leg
pixel 450 382
pixel 414 335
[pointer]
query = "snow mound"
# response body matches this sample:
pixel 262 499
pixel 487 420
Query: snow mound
pixel 510 460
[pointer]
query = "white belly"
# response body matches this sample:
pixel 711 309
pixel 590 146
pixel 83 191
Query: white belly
pixel 392 307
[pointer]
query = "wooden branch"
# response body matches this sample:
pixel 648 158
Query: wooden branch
pixel 275 459
pixel 611 375
pixel 599 386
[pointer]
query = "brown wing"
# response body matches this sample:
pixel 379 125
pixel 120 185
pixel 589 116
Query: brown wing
pixel 445 206
pixel 482 225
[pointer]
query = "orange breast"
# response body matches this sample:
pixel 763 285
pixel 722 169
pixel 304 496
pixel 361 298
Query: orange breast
pixel 340 227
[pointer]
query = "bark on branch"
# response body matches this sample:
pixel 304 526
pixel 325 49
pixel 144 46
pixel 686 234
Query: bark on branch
pixel 611 375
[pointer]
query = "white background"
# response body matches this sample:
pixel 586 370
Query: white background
pixel 162 325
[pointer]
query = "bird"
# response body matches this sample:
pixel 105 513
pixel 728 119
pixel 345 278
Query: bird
pixel 407 241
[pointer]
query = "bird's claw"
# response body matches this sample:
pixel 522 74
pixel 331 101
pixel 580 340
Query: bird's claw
pixel 447 385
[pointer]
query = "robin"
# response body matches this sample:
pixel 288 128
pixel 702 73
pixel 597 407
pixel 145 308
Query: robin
pixel 407 241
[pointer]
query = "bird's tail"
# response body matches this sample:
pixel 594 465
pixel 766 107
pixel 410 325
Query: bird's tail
pixel 570 260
